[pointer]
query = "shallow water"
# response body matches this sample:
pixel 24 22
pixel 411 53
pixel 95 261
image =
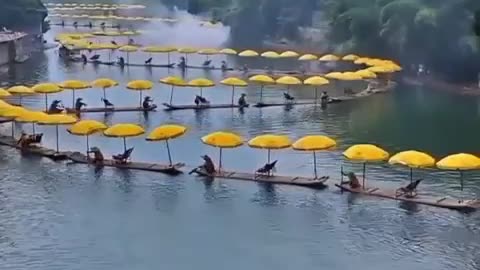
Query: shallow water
pixel 61 216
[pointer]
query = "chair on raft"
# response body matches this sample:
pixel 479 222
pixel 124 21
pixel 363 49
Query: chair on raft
pixel 123 158
pixel 266 170
pixel 409 191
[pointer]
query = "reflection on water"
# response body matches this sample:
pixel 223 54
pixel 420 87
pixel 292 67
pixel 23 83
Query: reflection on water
pixel 57 216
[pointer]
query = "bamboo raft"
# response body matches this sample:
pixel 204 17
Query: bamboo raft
pixel 85 26
pixel 112 109
pixel 277 179
pixel 442 202
pixel 34 150
pixel 77 157
pixel 151 65
pixel 171 107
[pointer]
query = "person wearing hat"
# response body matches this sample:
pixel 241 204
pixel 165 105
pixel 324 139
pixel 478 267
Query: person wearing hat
pixel 55 107
pixel 79 104
pixel 97 155
pixel 147 103
pixel 242 101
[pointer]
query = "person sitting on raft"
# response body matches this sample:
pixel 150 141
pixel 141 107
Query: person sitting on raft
pixel 56 107
pixel 75 24
pixel 25 140
pixel 79 104
pixel 97 155
pixel 207 168
pixel 352 181
pixel 90 25
pixel 206 63
pixel 103 25
pixel 224 65
pixel 121 61
pixel 242 101
pixel 324 98
pixel 63 23
pixel 148 103
pixel 245 68
pixel 131 41
pixel 199 100
pixel 183 63
pixel 84 58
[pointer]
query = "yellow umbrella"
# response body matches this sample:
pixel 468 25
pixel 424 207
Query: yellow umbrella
pixel 234 82
pixel 248 53
pixel 173 81
pixel 165 133
pixel 21 90
pixel 350 76
pixel 262 80
pixel 366 74
pixel 208 52
pixel 12 112
pixel 31 117
pixel 459 162
pixel 124 131
pixel 187 51
pixel 74 85
pixel 86 128
pixel 128 49
pixel 350 57
pixel 308 57
pixel 381 69
pixel 334 75
pixel 412 159
pixel 4 93
pixel 47 88
pixel 140 85
pixel 365 153
pixel 288 81
pixel 222 140
pixel 316 81
pixel 329 58
pixel 201 83
pixel 270 54
pixel 228 51
pixel 269 142
pixel 314 143
pixel 104 83
pixel 56 120
pixel 289 54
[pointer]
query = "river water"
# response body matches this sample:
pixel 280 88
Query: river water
pixel 63 216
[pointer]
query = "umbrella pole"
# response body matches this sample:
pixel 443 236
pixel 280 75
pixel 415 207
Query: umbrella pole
pixel 104 93
pixel 20 100
pixel 201 91
pixel 261 93
pixel 46 102
pixel 56 131
pixel 73 100
pixel 233 93
pixel 220 161
pixel 315 164
pixel 316 95
pixel 461 180
pixel 168 151
pixel 168 57
pixel 13 129
pixel 124 144
pixel 88 146
pixel 411 175
pixel 171 95
pixel 141 98
pixel 364 171
pixel 128 58
pixel 33 128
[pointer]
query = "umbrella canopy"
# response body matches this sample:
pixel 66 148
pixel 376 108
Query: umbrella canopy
pixel 228 51
pixel 56 120
pixel 201 83
pixel 381 69
pixel 128 48
pixel 314 143
pixel 365 153
pixel 412 159
pixel 270 54
pixel 104 83
pixel 361 60
pixel 248 53
pixel 187 50
pixel 173 81
pixel 158 49
pixel 308 57
pixel 31 117
pixel 9 111
pixel 288 81
pixel 350 76
pixel 4 93
pixel 460 162
pixel 262 80
pixel 21 90
pixel 123 131
pixel 165 133
pixel 334 75
pixel 350 57
pixel 222 140
pixel 208 52
pixel 47 88
pixel 366 74
pixel 328 58
pixel 289 54
pixel 316 81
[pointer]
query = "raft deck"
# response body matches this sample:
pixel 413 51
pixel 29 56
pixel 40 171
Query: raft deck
pixel 201 107
pixel 34 149
pixel 112 109
pixel 276 179
pixel 442 202
pixel 141 166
